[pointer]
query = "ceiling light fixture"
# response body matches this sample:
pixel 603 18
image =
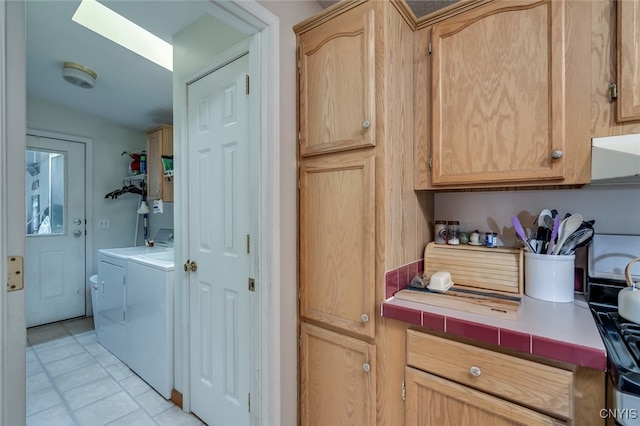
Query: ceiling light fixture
pixel 79 75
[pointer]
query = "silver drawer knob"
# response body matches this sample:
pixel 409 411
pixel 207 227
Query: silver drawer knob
pixel 475 371
pixel 364 318
pixel 366 124
pixel 366 367
pixel 556 155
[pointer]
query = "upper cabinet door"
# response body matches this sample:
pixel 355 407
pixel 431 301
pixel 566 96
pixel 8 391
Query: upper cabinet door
pixel 628 52
pixel 337 83
pixel 498 94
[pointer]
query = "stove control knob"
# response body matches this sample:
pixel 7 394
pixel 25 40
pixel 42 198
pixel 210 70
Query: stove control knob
pixel 475 371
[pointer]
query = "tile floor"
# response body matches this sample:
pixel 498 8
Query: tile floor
pixel 73 380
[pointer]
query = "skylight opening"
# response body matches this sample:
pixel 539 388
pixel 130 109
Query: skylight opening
pixel 104 21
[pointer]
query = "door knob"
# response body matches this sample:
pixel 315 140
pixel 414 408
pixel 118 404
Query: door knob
pixel 77 222
pixel 190 266
pixel 77 233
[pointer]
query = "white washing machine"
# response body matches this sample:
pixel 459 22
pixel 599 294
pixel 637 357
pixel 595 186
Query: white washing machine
pixel 110 303
pixel 150 319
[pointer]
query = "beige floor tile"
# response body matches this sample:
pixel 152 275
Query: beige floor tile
pixel 41 400
pixel 153 402
pixel 106 410
pixel 59 352
pixel 137 418
pixel 37 382
pixel 68 364
pixel 135 385
pixel 91 392
pixel 79 377
pixel 46 333
pixel 57 415
pixel 176 417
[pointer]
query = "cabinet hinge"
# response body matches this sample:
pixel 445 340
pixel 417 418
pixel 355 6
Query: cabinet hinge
pixel 248 244
pixel 429 49
pixel 252 284
pixel 430 163
pixel 404 390
pixel 613 91
pixel 246 80
pixel 249 402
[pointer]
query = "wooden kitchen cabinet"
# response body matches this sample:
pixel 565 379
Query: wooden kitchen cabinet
pixel 337 245
pixel 628 60
pixel 505 104
pixel 337 71
pixel 359 216
pixel 456 383
pixel 159 143
pixel 432 400
pixel 346 367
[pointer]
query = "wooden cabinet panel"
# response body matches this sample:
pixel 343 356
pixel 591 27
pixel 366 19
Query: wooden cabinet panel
pixel 434 401
pixel 337 379
pixel 628 60
pixel 337 241
pixel 159 143
pixel 498 94
pixel 526 382
pixel 337 83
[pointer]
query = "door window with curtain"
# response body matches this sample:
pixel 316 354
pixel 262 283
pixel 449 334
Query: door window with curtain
pixel 44 192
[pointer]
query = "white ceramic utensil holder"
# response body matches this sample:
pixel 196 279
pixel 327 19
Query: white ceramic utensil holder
pixel 549 277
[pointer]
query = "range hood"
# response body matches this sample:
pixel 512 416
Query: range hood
pixel 615 159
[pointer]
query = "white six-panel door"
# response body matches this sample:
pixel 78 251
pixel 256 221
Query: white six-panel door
pixel 219 225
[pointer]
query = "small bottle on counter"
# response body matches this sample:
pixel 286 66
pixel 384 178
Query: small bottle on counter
pixel 453 227
pixel 440 232
pixel 491 239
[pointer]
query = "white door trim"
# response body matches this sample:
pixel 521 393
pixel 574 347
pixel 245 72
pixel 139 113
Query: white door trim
pixel 88 205
pixel 4 402
pixel 12 209
pixel 263 28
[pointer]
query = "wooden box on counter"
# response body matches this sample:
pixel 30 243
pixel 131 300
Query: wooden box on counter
pixel 486 281
pixel 497 269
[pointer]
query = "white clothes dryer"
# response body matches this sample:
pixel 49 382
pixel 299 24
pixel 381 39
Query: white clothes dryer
pixel 150 319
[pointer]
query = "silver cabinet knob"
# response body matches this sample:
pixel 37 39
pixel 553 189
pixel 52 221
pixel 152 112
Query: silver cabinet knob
pixel 366 124
pixel 556 155
pixel 475 371
pixel 365 318
pixel 366 367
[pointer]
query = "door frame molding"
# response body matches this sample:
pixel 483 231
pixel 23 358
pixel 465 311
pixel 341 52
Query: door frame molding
pixel 88 205
pixel 262 43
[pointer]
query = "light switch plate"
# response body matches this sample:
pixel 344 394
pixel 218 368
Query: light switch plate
pixel 15 273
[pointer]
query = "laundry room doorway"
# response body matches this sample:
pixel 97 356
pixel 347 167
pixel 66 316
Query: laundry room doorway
pixel 55 266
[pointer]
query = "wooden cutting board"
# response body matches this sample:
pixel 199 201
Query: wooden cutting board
pixel 493 306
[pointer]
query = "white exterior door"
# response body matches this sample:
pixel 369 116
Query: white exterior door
pixel 219 228
pixel 55 217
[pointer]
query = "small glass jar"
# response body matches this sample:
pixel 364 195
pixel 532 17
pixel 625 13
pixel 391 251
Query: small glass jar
pixel 453 228
pixel 440 232
pixel 491 239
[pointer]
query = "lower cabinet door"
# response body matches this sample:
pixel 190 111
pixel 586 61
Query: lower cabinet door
pixel 432 400
pixel 337 379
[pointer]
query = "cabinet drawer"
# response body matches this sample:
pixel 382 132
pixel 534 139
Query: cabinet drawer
pixel 539 386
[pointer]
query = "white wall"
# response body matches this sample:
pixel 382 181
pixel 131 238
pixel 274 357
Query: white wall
pixel 108 168
pixel 614 207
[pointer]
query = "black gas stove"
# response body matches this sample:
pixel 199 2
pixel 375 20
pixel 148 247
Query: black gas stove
pixel 608 257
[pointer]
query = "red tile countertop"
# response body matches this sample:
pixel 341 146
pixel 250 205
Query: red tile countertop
pixel 560 331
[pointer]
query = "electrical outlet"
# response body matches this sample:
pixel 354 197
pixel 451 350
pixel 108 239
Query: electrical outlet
pixel 103 224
